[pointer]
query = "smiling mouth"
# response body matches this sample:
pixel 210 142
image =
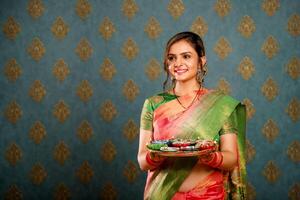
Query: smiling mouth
pixel 180 71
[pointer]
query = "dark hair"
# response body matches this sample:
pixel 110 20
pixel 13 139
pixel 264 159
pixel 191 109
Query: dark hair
pixel 192 38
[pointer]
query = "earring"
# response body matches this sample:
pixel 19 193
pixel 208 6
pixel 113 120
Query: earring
pixel 199 76
pixel 204 69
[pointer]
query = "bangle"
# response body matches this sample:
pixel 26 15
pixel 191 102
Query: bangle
pixel 216 161
pixel 152 162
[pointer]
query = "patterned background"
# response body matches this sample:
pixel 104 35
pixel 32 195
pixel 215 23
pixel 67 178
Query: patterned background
pixel 74 75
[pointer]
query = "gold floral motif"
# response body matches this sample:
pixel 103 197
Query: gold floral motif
pixel 270 6
pixel 84 49
pixel 130 8
pixel 270 89
pixel 12 70
pixel 130 130
pixel 153 28
pixel 60 70
pixel 293 109
pixel 13 154
pixel 107 70
pixel 294 192
pixel 293 151
pixel 37 132
pixel 246 68
pixel 38 174
pixel 83 8
pixel 13 112
pixel 11 28
pixel 223 48
pixel 293 68
pixel 246 26
pixel 199 26
pixel 108 151
pixel 130 90
pixel 270 130
pixel 61 152
pixel 108 192
pixel 37 91
pixel 270 47
pixel 130 172
pixel 106 28
pixel 153 69
pixel 250 109
pixel 250 154
pixel 85 131
pixel 62 192
pixel 222 7
pixel 13 193
pixel 85 173
pixel 293 26
pixel 224 86
pixel 36 49
pixel 59 28
pixel 271 172
pixel 108 111
pixel 85 90
pixel 176 8
pixel 35 8
pixel 130 49
pixel 61 111
pixel 251 194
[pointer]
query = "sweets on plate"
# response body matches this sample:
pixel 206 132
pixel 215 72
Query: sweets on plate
pixel 182 146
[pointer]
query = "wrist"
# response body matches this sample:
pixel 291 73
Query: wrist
pixel 153 160
pixel 214 160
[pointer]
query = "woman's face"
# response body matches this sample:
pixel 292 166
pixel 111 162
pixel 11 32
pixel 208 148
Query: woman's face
pixel 183 61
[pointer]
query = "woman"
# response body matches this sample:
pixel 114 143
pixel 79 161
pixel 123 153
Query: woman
pixel 190 111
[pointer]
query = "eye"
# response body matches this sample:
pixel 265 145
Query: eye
pixel 186 56
pixel 171 58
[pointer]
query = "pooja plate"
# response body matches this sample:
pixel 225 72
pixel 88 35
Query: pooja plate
pixel 183 153
pixel 182 148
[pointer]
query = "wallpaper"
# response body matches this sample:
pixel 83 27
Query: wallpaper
pixel 75 73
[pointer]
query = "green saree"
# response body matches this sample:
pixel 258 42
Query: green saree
pixel 212 115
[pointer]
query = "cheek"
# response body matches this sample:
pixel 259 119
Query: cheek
pixel 171 69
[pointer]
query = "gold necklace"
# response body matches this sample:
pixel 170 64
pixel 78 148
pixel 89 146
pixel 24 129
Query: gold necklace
pixel 186 108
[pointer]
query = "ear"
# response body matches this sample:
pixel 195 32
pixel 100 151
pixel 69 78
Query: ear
pixel 203 60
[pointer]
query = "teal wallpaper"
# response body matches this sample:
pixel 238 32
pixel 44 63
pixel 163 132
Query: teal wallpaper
pixel 74 75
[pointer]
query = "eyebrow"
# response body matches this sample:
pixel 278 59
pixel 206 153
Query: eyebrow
pixel 186 52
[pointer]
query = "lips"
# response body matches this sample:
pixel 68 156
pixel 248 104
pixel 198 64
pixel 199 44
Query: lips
pixel 180 71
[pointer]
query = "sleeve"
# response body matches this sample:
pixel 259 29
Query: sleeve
pixel 146 122
pixel 230 124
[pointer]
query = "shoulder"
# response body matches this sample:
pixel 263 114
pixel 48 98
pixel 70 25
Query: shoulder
pixel 158 99
pixel 226 98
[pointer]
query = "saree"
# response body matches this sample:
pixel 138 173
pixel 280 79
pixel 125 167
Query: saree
pixel 212 115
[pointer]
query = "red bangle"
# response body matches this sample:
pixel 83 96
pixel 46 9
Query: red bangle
pixel 152 162
pixel 216 161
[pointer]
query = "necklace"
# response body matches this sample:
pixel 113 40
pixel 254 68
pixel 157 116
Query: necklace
pixel 186 108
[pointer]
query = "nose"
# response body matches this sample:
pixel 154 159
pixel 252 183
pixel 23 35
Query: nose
pixel 178 62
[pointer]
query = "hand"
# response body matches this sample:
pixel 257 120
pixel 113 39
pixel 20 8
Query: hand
pixel 206 158
pixel 156 157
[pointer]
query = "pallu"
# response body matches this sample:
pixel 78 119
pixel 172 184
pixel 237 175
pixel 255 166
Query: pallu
pixel 213 114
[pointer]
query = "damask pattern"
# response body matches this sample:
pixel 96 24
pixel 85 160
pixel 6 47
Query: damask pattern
pixel 74 76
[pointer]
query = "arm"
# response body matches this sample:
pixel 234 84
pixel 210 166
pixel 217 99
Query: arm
pixel 228 148
pixel 227 157
pixel 143 153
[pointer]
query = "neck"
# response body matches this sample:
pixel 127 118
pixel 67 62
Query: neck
pixel 186 87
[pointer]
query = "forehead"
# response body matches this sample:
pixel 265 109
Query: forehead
pixel 180 47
